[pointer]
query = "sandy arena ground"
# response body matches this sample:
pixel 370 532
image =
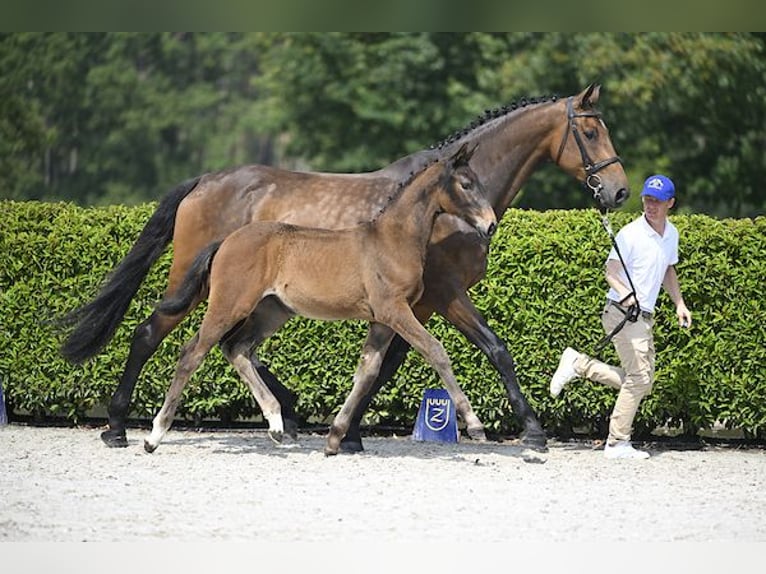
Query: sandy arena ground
pixel 63 484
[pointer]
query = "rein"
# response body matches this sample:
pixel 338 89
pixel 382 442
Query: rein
pixel 593 182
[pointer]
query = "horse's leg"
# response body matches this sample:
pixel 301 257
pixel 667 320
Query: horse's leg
pixel 266 319
pixel 378 338
pixel 461 312
pixel 146 339
pixel 191 357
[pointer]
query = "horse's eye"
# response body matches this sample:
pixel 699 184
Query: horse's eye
pixel 590 133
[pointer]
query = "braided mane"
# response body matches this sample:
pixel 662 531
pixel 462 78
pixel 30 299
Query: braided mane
pixel 491 114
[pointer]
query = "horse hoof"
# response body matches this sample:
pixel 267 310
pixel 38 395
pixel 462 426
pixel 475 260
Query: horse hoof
pixel 536 441
pixel 533 456
pixel 275 436
pixel 149 447
pixel 477 434
pixel 291 428
pixel 114 438
pixel 351 446
pixel 329 451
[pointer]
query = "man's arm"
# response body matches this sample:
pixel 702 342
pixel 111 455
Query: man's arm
pixel 614 279
pixel 673 288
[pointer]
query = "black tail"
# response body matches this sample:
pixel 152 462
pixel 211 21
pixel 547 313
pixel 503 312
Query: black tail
pixel 96 322
pixel 194 282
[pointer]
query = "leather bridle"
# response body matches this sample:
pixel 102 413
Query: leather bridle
pixel 592 180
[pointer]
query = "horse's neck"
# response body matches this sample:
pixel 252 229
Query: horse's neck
pixel 511 151
pixel 511 147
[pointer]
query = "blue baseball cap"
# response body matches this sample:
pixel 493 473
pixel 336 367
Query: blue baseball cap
pixel 660 187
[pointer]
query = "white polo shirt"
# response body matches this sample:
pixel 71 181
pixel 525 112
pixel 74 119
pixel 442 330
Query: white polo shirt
pixel 647 255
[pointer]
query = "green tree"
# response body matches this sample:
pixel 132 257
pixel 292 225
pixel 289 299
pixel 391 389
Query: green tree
pixel 356 102
pixel 120 118
pixel 690 105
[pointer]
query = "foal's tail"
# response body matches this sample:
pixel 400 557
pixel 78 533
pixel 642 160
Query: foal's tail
pixel 194 283
pixel 96 322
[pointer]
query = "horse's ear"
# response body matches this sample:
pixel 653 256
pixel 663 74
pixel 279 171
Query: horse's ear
pixel 589 97
pixel 464 154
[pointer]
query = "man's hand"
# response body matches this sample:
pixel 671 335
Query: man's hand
pixel 684 315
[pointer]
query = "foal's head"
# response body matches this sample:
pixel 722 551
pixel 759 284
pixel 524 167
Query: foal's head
pixel 462 194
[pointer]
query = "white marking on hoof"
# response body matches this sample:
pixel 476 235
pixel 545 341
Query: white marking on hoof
pixel 276 436
pixel 276 427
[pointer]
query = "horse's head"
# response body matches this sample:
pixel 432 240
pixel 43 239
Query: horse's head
pixel 587 152
pixel 463 194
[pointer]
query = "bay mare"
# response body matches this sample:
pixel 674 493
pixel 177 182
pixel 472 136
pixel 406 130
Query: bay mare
pixel 514 141
pixel 373 272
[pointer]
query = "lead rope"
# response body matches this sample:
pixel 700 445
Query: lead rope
pixel 593 182
pixel 632 312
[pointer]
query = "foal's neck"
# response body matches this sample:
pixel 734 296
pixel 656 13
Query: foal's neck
pixel 412 212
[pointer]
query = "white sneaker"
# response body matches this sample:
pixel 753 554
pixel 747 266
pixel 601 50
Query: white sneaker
pixel 565 371
pixel 623 449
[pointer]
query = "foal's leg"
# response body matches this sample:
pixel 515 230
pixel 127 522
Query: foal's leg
pixel 392 360
pixel 378 338
pixel 267 319
pixel 219 319
pixel 191 357
pixel 394 356
pixel 405 323
pixel 239 357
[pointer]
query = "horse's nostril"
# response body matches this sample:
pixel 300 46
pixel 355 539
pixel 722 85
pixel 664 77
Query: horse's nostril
pixel 491 229
pixel 621 195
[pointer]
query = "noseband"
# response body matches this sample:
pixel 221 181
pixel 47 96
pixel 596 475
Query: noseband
pixel 592 180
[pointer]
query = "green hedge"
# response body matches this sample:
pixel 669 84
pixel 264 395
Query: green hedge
pixel 543 291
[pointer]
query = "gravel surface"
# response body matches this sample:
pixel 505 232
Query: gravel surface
pixel 63 484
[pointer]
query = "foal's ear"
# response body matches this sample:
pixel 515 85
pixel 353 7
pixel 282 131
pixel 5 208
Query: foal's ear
pixel 589 96
pixel 464 154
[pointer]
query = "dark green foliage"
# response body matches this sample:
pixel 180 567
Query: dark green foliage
pixel 544 291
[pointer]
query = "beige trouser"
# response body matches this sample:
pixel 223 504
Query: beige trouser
pixel 635 347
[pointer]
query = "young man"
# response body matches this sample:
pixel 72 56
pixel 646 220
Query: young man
pixel 649 248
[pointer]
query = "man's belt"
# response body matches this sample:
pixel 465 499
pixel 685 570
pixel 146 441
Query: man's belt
pixel 644 314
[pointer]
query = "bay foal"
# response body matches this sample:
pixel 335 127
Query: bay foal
pixel 373 271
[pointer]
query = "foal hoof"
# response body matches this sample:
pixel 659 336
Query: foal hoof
pixel 329 451
pixel 114 438
pixel 149 447
pixel 275 436
pixel 477 434
pixel 534 440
